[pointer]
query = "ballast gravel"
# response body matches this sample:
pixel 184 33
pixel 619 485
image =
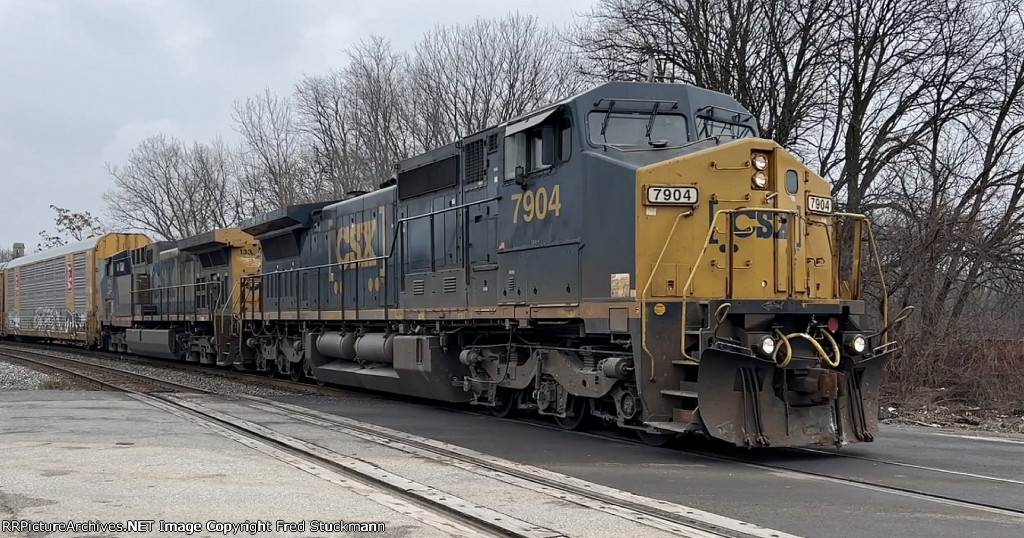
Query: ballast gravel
pixel 15 377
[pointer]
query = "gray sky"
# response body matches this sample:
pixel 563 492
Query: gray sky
pixel 83 81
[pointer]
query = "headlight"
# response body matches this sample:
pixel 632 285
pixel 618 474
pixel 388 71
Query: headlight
pixel 760 161
pixel 760 180
pixel 858 344
pixel 767 345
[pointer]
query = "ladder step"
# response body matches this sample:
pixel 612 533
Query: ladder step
pixel 680 393
pixel 685 362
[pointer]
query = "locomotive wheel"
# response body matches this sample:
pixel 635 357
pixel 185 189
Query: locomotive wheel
pixel 654 439
pixel 271 370
pixel 505 403
pixel 295 372
pixel 576 412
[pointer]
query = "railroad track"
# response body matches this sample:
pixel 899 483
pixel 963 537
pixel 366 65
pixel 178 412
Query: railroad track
pixel 584 493
pixel 455 516
pixel 660 515
pixel 103 376
pixel 830 477
pixel 248 378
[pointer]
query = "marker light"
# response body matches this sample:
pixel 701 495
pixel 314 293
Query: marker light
pixel 767 345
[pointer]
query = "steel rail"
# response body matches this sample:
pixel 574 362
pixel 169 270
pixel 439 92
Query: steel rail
pixel 455 516
pixel 68 365
pixel 854 482
pixel 661 515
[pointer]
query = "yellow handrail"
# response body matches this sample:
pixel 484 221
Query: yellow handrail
pixel 784 338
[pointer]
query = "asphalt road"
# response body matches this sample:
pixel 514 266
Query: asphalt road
pixel 783 497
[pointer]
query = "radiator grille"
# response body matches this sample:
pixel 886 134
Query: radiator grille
pixel 451 284
pixel 418 287
pixel 474 162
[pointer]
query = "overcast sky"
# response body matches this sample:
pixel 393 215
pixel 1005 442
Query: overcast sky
pixel 83 81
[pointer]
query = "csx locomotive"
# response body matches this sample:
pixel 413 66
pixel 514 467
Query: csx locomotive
pixel 634 254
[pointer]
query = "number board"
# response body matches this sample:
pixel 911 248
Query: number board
pixel 674 195
pixel 819 204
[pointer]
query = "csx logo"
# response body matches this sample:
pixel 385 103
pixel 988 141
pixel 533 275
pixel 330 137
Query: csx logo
pixel 754 224
pixel 359 241
pixel 356 242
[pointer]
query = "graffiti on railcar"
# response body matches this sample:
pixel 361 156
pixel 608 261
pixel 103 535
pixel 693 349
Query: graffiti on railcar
pixel 58 320
pixel 13 321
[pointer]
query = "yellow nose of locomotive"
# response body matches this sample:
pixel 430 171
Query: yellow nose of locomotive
pixel 744 220
pixel 744 320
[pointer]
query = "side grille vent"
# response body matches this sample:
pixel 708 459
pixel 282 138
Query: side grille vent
pixel 473 156
pixel 492 143
pixel 418 287
pixel 511 286
pixel 451 284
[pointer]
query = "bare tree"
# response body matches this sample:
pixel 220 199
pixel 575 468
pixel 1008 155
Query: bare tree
pixel 469 77
pixel 271 148
pixel 773 56
pixel 172 191
pixel 322 106
pixel 69 227
pixel 381 111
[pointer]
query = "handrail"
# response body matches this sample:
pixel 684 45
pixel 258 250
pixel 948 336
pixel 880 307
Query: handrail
pixel 391 254
pixel 394 240
pixel 707 243
pixel 179 299
pixel 878 265
pixel 644 299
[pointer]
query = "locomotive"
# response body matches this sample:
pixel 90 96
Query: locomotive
pixel 634 254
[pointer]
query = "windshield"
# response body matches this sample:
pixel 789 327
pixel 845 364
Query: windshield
pixel 636 128
pixel 707 127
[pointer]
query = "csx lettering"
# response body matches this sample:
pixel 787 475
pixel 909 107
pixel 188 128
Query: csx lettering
pixel 537 204
pixel 757 225
pixel 355 242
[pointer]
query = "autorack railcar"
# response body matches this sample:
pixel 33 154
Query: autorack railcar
pixel 635 254
pixel 54 295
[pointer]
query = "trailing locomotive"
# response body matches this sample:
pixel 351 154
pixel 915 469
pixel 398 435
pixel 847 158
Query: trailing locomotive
pixel 179 300
pixel 634 254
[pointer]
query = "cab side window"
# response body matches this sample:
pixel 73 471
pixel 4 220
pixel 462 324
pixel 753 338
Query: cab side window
pixel 538 147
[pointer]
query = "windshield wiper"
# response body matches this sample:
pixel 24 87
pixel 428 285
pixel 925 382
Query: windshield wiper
pixel 650 120
pixel 604 122
pixel 650 127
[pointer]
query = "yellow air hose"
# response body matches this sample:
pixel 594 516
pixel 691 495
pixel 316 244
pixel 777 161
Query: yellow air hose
pixel 784 342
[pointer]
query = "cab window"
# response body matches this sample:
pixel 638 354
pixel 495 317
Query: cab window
pixel 538 148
